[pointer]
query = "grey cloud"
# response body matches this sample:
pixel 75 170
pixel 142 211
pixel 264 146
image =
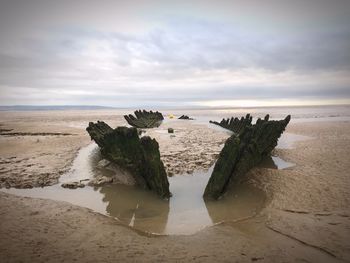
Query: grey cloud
pixel 72 54
pixel 219 46
pixel 204 47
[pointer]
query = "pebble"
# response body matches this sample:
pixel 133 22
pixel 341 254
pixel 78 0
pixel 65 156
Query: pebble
pixel 73 185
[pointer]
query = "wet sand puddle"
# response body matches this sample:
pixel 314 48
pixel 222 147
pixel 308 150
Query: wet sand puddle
pixel 185 213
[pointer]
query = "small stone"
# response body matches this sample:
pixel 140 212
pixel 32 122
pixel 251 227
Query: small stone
pixel 73 185
pixel 170 130
pixel 140 131
pixel 185 117
pixel 100 180
pixel 103 164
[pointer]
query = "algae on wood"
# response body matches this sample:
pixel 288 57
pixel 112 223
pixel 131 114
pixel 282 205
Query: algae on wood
pixel 242 152
pixel 234 124
pixel 223 168
pixel 145 119
pixel 140 157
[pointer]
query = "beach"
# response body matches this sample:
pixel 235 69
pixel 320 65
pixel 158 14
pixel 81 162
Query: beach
pixel 305 216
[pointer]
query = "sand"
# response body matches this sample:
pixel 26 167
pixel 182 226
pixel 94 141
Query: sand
pixel 306 217
pixel 191 147
pixel 34 160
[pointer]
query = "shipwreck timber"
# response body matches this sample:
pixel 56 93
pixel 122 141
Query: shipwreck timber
pixel 185 117
pixel 145 119
pixel 242 151
pixel 234 124
pixel 139 156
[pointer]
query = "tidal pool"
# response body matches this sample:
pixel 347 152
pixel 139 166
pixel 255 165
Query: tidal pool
pixel 185 213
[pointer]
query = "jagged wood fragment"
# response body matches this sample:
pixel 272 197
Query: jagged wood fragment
pixel 140 157
pixel 234 124
pixel 185 117
pixel 145 119
pixel 242 152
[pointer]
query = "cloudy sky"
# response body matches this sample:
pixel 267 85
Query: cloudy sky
pixel 174 53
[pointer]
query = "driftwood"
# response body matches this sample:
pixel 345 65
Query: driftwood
pixel 234 124
pixel 185 117
pixel 140 157
pixel 145 119
pixel 242 151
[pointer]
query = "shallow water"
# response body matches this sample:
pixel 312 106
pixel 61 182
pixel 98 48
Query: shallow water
pixel 185 213
pixel 288 140
pixel 274 162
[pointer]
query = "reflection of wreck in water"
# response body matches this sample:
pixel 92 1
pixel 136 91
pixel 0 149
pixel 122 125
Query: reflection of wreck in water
pixel 249 145
pixel 244 201
pixel 138 208
pixel 186 212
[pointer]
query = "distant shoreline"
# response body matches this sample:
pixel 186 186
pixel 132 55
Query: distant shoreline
pixel 93 107
pixel 52 108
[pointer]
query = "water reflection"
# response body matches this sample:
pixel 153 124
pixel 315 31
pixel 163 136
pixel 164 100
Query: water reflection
pixel 185 213
pixel 288 140
pixel 240 202
pixel 136 207
pixel 274 162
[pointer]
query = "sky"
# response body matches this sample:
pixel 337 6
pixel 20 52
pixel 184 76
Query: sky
pixel 174 53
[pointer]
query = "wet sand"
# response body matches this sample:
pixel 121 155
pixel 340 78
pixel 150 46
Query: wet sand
pixel 38 160
pixel 305 217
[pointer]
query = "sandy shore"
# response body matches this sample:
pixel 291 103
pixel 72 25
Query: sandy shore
pixel 35 160
pixel 305 219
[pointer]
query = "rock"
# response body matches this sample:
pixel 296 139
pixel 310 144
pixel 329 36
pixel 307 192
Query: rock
pixel 185 117
pixel 140 157
pixel 115 175
pixel 242 152
pixel 100 180
pixel 234 124
pixel 141 131
pixel 145 119
pixel 73 185
pixel 120 175
pixel 170 130
pixel 103 164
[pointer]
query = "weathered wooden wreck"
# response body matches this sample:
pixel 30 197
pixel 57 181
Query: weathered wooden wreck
pixel 185 117
pixel 139 156
pixel 145 119
pixel 234 124
pixel 246 148
pixel 242 151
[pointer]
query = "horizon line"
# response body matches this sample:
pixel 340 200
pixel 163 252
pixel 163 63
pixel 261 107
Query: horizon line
pixel 97 107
